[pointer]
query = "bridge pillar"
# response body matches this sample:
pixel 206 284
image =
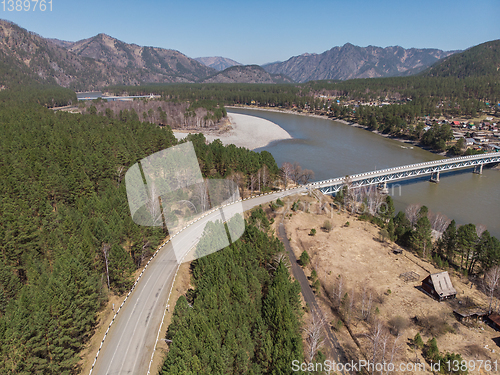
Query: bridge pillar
pixel 435 177
pixel 478 169
pixel 382 187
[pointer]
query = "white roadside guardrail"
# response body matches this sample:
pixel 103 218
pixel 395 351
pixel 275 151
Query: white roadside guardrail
pixel 175 275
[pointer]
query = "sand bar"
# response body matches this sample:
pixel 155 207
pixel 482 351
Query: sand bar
pixel 246 131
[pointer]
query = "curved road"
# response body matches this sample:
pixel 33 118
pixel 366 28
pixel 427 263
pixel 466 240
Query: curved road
pixel 132 337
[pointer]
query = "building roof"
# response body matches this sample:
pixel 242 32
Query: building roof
pixel 442 284
pixel 494 317
pixel 467 313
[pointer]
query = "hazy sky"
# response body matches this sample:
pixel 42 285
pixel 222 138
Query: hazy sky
pixel 257 32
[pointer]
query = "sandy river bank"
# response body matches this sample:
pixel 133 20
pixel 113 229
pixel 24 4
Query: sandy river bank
pixel 245 131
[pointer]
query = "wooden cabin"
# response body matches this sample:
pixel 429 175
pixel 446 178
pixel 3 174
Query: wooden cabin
pixel 439 286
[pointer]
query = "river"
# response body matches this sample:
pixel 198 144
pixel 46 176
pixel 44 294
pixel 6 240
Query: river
pixel 333 149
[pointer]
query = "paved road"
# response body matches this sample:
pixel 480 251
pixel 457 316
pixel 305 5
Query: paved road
pixel 132 337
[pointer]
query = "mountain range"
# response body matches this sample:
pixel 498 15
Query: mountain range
pixel 217 62
pixel 349 61
pixel 93 63
pixel 99 61
pixel 246 74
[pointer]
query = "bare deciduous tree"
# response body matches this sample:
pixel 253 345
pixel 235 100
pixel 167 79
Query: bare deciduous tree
pixel 105 251
pixel 372 198
pixel 339 290
pixel 412 212
pixel 350 307
pixel 314 337
pixel 153 205
pixel 306 176
pixel 480 229
pixel 264 175
pixel 252 181
pixel 369 305
pixel 287 172
pixel 396 347
pixel 491 279
pixel 201 194
pixel 363 300
pixel 439 222
pixel 350 196
pixel 376 336
pixel 296 172
pixel 239 180
pixel 384 343
pixel 161 112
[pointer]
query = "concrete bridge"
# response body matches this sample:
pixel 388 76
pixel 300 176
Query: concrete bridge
pixel 432 168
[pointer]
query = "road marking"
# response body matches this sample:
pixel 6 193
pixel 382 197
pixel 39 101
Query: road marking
pixel 279 193
pixel 128 320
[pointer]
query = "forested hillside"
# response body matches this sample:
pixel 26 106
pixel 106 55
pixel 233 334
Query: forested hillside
pixel 63 211
pixel 244 315
pixel 481 60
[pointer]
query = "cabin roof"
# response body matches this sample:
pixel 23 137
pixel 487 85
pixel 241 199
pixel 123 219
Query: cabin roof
pixel 442 284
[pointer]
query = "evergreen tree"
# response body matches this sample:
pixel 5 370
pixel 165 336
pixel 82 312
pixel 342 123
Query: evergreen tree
pixel 420 238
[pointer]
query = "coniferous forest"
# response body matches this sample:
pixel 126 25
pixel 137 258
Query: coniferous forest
pixel 244 314
pixel 64 208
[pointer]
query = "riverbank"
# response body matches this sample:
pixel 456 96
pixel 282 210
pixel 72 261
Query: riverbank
pixel 244 131
pixel 350 123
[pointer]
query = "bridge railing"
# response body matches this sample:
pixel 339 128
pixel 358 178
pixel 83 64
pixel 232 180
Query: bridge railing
pixel 405 171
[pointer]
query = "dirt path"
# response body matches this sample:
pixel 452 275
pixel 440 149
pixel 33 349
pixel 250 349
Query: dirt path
pixel 335 351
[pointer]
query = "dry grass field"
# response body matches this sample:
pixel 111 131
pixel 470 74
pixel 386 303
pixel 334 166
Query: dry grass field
pixel 354 256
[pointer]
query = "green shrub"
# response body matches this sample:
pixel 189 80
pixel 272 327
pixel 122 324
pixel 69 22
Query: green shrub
pixel 431 352
pixel 304 259
pixel 417 341
pixel 314 275
pixel 317 286
pixel 337 325
pixel 327 225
